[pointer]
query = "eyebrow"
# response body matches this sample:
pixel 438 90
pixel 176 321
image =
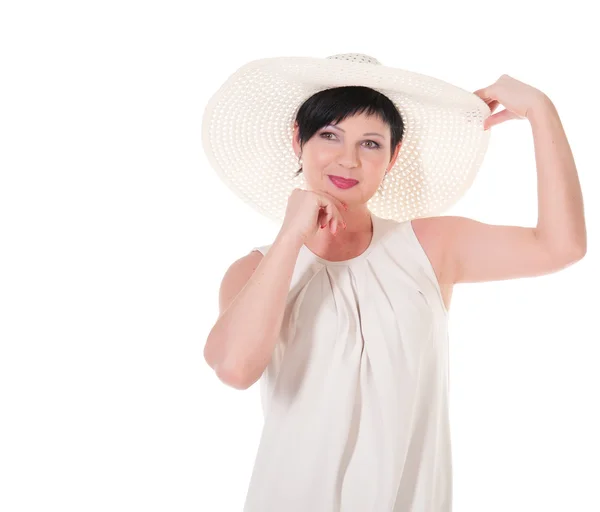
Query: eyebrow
pixel 364 134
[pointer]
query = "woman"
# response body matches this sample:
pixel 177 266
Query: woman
pixel 343 318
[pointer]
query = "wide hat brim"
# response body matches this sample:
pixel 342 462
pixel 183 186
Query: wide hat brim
pixel 247 131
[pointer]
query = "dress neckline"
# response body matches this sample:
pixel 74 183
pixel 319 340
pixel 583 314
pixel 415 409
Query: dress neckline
pixel 362 255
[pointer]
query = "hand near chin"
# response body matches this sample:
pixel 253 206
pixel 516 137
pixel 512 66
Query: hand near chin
pixel 309 210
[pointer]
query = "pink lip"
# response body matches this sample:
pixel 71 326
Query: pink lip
pixel 340 182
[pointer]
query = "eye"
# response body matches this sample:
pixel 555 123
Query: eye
pixel 375 144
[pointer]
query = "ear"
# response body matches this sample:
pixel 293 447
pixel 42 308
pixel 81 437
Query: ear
pixel 295 143
pixel 394 156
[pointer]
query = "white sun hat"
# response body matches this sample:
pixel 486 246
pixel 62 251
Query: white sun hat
pixel 247 131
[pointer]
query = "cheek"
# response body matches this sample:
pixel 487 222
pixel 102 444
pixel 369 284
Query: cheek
pixel 323 154
pixel 324 158
pixel 375 157
pixel 319 161
pixel 374 163
pixel 371 184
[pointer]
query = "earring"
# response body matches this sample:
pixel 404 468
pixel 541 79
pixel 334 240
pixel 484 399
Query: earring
pixel 379 189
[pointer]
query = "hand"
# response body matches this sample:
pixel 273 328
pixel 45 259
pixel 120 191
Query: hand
pixel 517 97
pixel 308 211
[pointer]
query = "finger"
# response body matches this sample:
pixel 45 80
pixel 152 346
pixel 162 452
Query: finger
pixel 482 93
pixel 328 215
pixel 498 118
pixel 334 225
pixel 493 105
pixel 331 206
pixel 321 217
pixel 324 196
pixel 336 219
pixel 332 216
pixel 486 94
pixel 338 223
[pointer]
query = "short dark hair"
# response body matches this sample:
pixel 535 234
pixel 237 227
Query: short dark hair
pixel 332 106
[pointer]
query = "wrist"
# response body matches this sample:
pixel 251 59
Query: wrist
pixel 291 239
pixel 541 108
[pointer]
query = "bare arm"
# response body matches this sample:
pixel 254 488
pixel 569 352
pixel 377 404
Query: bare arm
pixel 254 292
pixel 252 301
pixel 484 252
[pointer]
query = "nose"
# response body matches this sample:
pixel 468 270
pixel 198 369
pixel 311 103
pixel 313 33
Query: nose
pixel 348 157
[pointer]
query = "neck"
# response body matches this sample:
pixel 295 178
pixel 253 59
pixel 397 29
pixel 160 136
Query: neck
pixel 358 224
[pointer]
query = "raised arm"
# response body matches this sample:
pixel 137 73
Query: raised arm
pixel 484 252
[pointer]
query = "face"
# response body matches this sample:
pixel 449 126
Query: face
pixel 356 149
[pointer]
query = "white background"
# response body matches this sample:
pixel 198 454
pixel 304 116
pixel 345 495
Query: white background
pixel 115 234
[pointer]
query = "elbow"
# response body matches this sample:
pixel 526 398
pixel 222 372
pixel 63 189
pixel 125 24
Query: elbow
pixel 578 246
pixel 233 374
pixel 576 253
pixel 568 254
pixel 581 252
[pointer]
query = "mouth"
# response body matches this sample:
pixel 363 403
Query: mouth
pixel 340 182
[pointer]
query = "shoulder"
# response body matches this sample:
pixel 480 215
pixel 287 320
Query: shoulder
pixel 433 234
pixel 245 264
pixel 435 227
pixel 236 277
pixel 426 228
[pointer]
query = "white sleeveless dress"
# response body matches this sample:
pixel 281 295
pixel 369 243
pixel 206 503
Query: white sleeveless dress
pixel 355 398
